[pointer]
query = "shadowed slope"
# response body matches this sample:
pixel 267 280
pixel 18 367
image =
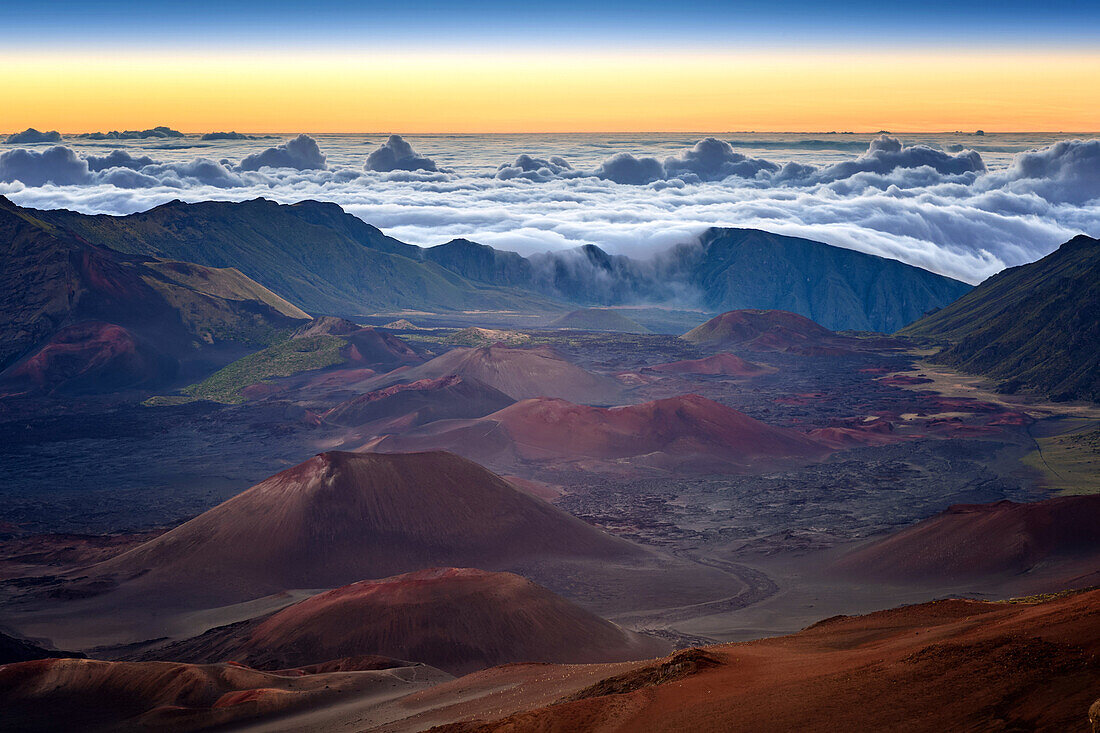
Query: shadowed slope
pixel 84 694
pixel 458 620
pixel 1035 326
pixel 84 318
pixel 416 403
pixel 989 541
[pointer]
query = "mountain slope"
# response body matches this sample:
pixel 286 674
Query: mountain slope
pixel 331 262
pixel 73 313
pixel 839 288
pixel 983 541
pixel 313 253
pixel 456 619
pixel 1035 326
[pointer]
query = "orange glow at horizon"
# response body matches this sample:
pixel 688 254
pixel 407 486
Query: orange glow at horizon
pixel 554 92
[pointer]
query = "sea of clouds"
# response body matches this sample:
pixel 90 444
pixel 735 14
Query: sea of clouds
pixel 964 206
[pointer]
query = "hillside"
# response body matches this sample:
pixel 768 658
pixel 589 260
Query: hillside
pixel 313 253
pixel 407 405
pixel 687 433
pixel 518 372
pixel 598 319
pixel 767 330
pixel 945 665
pixel 456 619
pixel 1034 327
pixel 328 261
pixel 839 288
pixel 76 317
pixel 990 541
pixel 342 517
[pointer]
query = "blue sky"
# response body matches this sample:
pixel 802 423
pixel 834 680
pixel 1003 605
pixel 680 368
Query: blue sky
pixel 565 23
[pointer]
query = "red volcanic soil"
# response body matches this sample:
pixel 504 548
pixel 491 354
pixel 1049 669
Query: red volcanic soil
pixel 689 432
pixel 719 364
pixel 947 665
pixel 768 330
pixel 458 620
pixel 83 694
pixel 878 432
pixel 403 406
pixel 517 372
pixel 342 517
pixel 84 358
pixel 999 540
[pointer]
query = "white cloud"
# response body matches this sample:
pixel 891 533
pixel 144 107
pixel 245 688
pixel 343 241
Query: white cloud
pixel 914 203
pixel 58 165
pixel 398 155
pixel 301 153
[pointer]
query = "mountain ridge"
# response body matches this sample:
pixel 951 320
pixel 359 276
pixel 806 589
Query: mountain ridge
pixel 330 262
pixel 1033 327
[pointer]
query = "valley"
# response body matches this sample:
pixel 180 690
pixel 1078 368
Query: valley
pixel 470 517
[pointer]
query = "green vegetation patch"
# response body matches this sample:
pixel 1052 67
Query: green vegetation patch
pixel 282 359
pixel 1070 463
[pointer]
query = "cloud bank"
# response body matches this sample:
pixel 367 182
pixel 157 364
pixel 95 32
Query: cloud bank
pixel 31 135
pixel 942 210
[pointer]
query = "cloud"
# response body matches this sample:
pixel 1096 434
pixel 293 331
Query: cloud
pixel 58 165
pixel 160 131
pixel 301 153
pixel 535 169
pixel 398 155
pixel 626 169
pixel 227 136
pixel 117 159
pixel 966 225
pixel 31 135
pixel 712 159
pixel 886 154
pixel 1068 171
pixel 200 171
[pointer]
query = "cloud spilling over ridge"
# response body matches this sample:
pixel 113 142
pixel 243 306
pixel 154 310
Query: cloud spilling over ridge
pixel 935 210
pixel 396 154
pixel 301 153
pixel 31 135
pixel 535 169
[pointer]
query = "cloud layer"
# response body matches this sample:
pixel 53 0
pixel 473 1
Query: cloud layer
pixel 943 210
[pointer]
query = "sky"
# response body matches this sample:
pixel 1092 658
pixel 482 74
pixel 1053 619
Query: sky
pixel 426 66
